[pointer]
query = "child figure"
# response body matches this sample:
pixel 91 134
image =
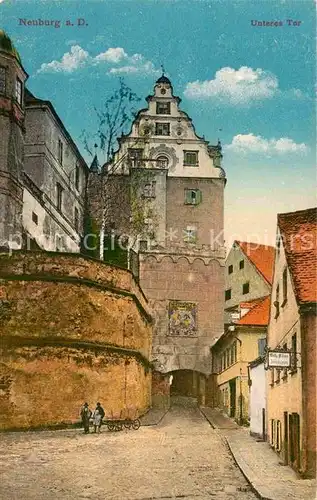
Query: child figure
pixel 97 417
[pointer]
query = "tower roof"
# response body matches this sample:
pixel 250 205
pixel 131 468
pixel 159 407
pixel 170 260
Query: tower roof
pixel 7 46
pixel 94 164
pixel 163 79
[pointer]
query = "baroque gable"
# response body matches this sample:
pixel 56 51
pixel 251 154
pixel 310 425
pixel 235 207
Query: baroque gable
pixel 163 136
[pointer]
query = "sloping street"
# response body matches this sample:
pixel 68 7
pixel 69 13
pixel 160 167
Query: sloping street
pixel 182 457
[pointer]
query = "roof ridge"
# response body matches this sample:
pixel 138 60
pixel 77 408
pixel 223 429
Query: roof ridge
pixel 297 212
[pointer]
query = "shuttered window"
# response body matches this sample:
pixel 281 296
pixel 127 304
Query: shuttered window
pixel 193 197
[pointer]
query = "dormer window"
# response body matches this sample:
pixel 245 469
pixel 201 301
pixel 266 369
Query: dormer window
pixel 163 108
pixel 2 80
pixel 18 91
pixel 162 128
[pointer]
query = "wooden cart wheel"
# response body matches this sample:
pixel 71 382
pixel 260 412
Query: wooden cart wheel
pixel 127 424
pixel 110 427
pixel 136 424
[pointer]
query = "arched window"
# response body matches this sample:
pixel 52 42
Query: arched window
pixel 162 161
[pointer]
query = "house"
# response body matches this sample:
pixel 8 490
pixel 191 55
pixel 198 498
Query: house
pixel 53 211
pixel 42 173
pixel 257 398
pixel 243 341
pixel 248 280
pixel 181 257
pixel 249 273
pixel 292 328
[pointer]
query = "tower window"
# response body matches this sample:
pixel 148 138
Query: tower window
pixel 230 269
pixel 162 129
pixel 245 288
pixel 191 158
pixel 2 80
pixel 163 108
pixel 228 294
pixel 59 190
pixel 60 151
pixel 241 264
pixel 192 196
pixel 18 91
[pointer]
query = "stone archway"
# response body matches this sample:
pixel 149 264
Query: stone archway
pixel 188 385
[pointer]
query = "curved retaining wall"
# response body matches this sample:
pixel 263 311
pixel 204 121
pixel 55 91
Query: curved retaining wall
pixel 72 330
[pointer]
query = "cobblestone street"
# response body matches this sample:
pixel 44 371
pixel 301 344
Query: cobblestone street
pixel 182 457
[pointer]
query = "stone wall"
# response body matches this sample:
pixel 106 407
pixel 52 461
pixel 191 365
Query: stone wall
pixel 72 329
pixel 160 390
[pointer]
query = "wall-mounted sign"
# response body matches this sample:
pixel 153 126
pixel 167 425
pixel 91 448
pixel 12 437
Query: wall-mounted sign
pixel 278 359
pixel 235 316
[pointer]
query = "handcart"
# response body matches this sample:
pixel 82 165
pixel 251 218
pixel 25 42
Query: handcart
pixel 127 419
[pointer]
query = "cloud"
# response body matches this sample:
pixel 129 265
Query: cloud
pixel 71 61
pixel 71 42
pixel 250 143
pixel 237 87
pixel 137 66
pixel 113 55
pixel 78 58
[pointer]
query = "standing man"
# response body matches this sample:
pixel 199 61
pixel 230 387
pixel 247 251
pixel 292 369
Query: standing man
pixel 98 415
pixel 85 414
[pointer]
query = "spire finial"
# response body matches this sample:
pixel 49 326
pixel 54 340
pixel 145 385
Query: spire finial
pixel 163 70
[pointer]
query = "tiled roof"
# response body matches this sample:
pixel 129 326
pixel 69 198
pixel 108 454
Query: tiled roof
pixel 299 234
pixel 261 256
pixel 251 303
pixel 259 312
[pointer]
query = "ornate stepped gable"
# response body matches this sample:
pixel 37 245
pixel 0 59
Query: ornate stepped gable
pixel 163 136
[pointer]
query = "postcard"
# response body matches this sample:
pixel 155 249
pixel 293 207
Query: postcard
pixel 158 252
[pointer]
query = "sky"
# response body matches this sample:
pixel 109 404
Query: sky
pixel 248 84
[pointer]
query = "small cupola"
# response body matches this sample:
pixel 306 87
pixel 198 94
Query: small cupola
pixel 163 86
